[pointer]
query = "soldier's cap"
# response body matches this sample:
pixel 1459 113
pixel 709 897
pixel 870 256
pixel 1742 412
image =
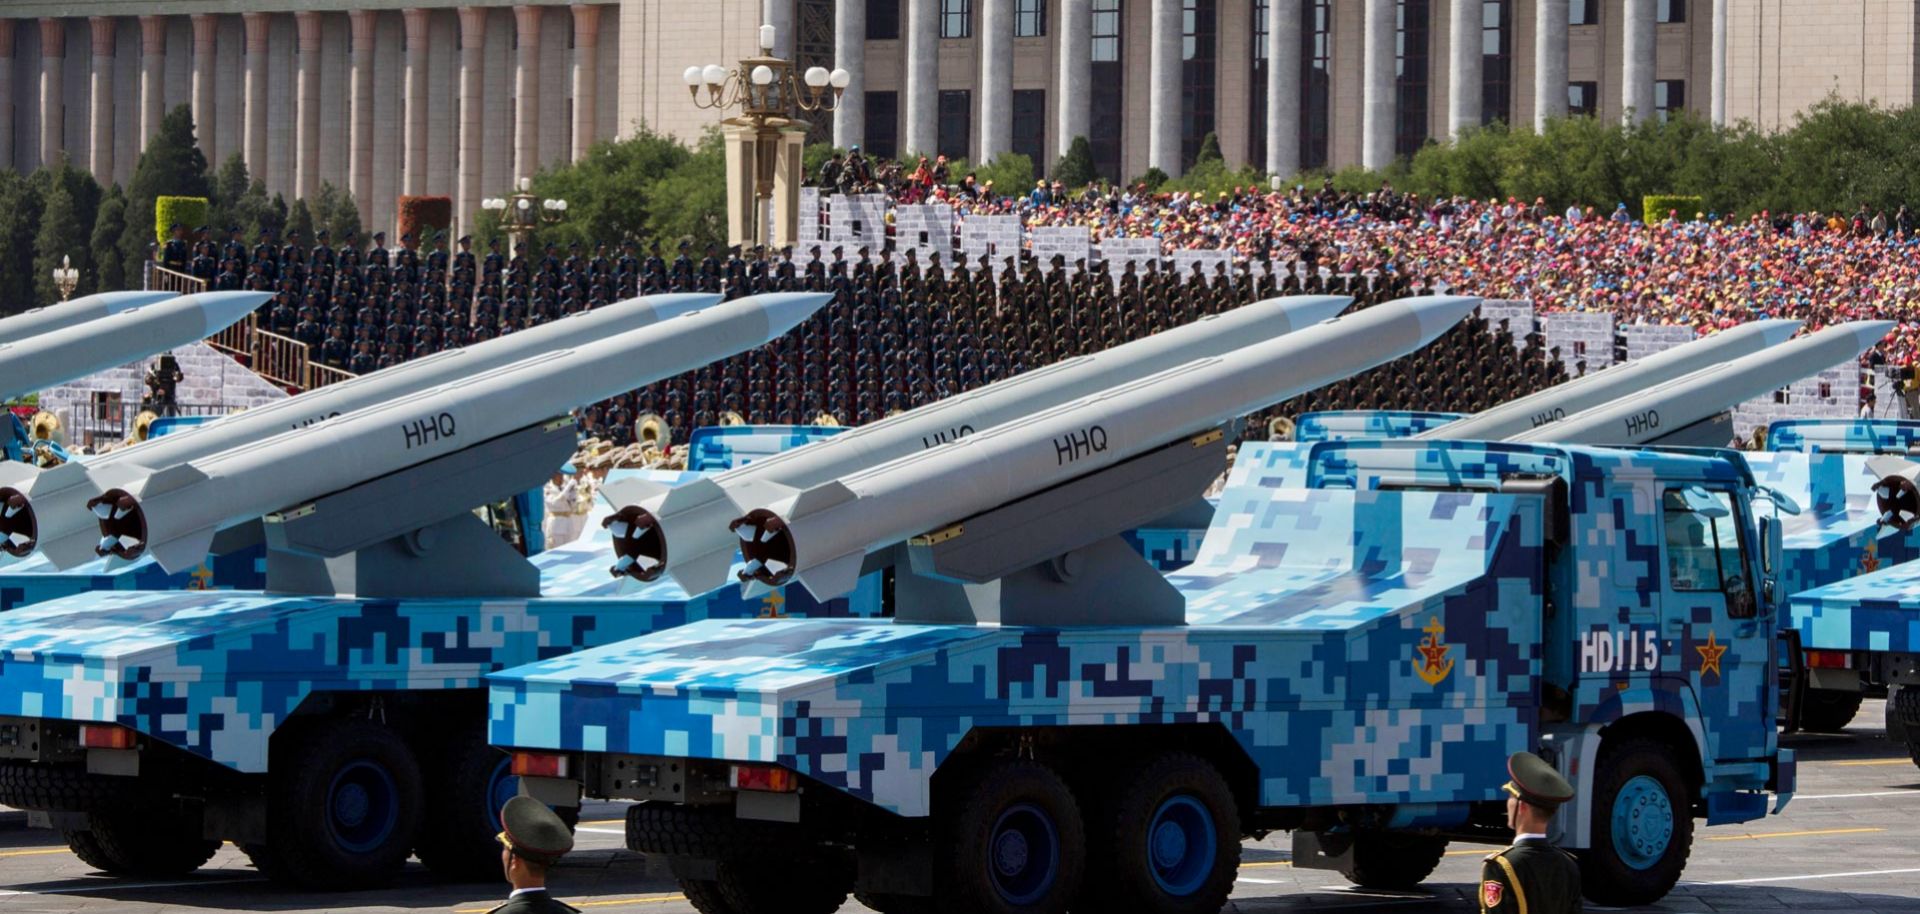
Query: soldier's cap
pixel 233 229
pixel 1534 781
pixel 685 244
pixel 407 237
pixel 464 239
pixel 320 234
pixel 379 236
pixel 533 832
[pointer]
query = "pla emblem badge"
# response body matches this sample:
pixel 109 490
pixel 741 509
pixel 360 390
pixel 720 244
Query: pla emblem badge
pixel 1870 560
pixel 1491 894
pixel 1433 664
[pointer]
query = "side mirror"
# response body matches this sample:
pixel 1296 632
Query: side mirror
pixel 1770 546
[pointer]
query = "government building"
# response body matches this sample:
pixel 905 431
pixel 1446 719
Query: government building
pixel 385 97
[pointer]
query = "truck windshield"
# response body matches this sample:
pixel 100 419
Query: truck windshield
pixel 1704 545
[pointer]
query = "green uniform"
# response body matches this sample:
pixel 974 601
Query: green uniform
pixel 535 903
pixel 1531 877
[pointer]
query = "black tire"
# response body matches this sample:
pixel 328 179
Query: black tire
pixel 759 867
pixel 1628 871
pixel 343 806
pixel 1829 710
pixel 1180 792
pixel 62 788
pixel 1011 809
pixel 155 843
pixel 456 839
pixel 1395 861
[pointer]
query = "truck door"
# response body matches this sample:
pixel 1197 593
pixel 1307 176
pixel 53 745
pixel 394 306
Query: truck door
pixel 1713 619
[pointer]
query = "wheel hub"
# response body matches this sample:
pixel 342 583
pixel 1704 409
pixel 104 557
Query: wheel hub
pixel 1010 853
pixel 350 805
pixel 1642 822
pixel 1169 844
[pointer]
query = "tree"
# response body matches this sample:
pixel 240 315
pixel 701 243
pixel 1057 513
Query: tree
pixel 690 201
pixel 1153 178
pixel 1209 150
pixel 20 205
pixel 61 236
pixel 83 195
pixel 334 210
pixel 109 223
pixel 1076 168
pixel 1010 173
pixel 230 186
pixel 171 165
pixel 299 219
pixel 611 195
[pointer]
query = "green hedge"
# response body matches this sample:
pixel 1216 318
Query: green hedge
pixel 1654 208
pixel 190 212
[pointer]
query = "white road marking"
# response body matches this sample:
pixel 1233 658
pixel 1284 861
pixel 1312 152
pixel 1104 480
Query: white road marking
pixel 1852 796
pixel 1808 876
pixel 603 831
pixel 1252 881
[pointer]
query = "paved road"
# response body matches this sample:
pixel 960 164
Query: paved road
pixel 1850 841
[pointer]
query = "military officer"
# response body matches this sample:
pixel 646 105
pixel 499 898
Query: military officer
pixel 1532 875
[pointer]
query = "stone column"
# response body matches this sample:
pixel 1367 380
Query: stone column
pixel 254 116
pixel 1075 101
pixel 413 156
pixel 100 100
pixel 923 78
pixel 205 27
pixel 586 69
pixel 1283 87
pixel 1549 62
pixel 306 114
pixel 996 80
pixel 153 73
pixel 473 106
pixel 1464 68
pixel 779 14
pixel 360 111
pixel 850 54
pixel 526 93
pixel 1376 88
pixel 6 93
pixel 53 90
pixel 1163 99
pixel 1719 87
pixel 1636 61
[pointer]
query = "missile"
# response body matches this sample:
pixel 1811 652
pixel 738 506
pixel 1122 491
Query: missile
pixel 173 513
pixel 1660 412
pixel 49 505
pixel 1614 383
pixel 821 536
pixel 81 349
pixel 36 321
pixel 693 517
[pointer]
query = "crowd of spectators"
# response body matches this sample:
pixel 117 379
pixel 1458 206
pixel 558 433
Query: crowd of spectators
pixel 901 332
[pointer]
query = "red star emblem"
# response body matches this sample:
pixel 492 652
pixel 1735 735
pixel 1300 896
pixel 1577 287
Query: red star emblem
pixel 1710 654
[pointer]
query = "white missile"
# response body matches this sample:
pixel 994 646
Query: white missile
pixel 1655 413
pixel 79 350
pixel 682 532
pixel 36 321
pixel 822 536
pixel 50 505
pixel 1625 379
pixel 174 513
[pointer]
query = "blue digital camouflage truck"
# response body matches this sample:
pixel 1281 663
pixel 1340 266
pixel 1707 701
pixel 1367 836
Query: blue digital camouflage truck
pixel 1368 630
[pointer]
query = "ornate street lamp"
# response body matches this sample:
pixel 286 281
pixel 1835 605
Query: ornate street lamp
pixel 522 212
pixel 65 277
pixel 769 97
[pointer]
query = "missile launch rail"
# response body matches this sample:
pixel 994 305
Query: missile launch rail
pixel 1369 629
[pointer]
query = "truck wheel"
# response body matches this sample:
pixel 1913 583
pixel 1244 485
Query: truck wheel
pixel 456 838
pixel 890 903
pixel 813 881
pixel 1013 840
pixel 149 843
pixel 1828 710
pixel 1394 860
pixel 1173 834
pixel 343 807
pixel 65 788
pixel 760 867
pixel 1642 826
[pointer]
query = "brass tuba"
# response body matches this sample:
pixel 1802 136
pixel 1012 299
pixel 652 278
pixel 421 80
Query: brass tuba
pixel 142 426
pixel 826 420
pixel 651 431
pixel 45 427
pixel 1280 428
pixel 732 418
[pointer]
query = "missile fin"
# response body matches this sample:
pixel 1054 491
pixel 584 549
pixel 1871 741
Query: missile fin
pixel 23 476
pixel 819 498
pixel 1891 465
pixel 182 552
pixel 64 476
pixel 72 550
pixel 833 578
pixel 702 573
pixel 178 476
pixel 693 494
pixel 623 492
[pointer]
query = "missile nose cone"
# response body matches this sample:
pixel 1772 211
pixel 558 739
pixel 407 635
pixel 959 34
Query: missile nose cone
pixel 1438 313
pixel 1307 310
pixel 674 304
pixel 1870 333
pixel 224 309
pixel 785 310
